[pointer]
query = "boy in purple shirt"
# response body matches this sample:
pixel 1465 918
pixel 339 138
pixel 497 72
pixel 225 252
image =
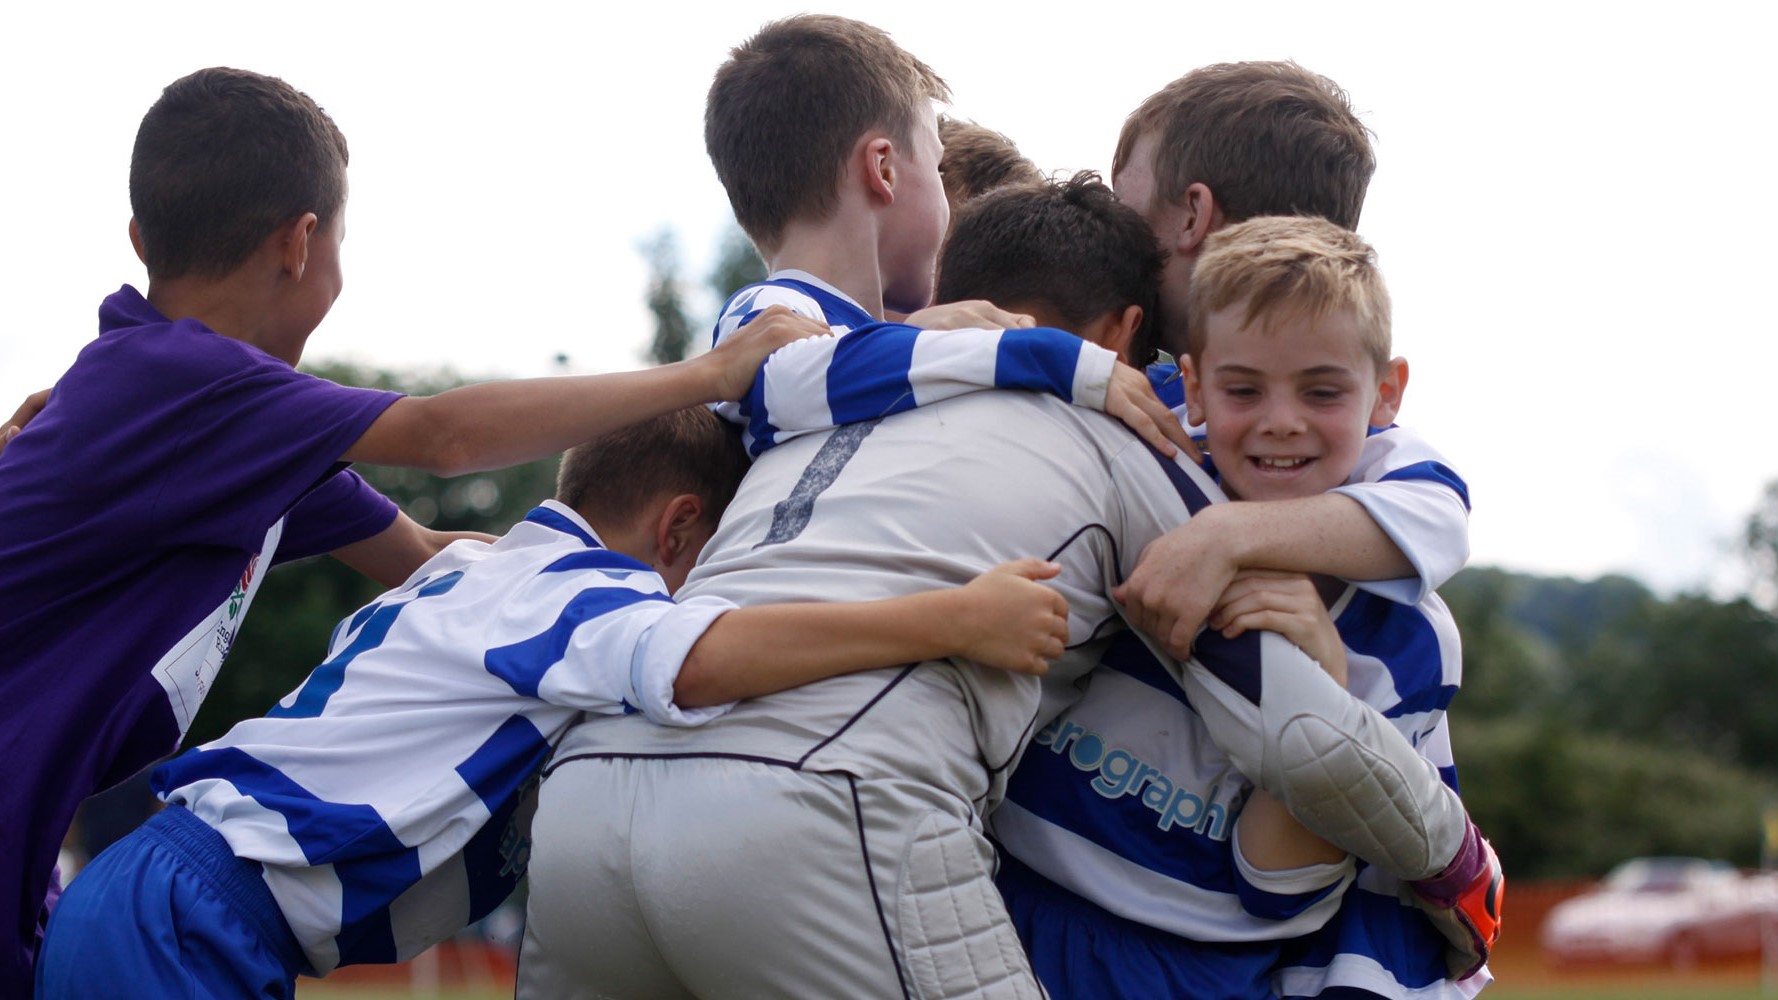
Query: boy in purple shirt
pixel 182 454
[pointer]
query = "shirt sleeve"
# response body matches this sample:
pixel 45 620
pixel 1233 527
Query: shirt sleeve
pixel 1420 503
pixel 251 443
pixel 616 650
pixel 342 510
pixel 749 302
pixel 740 310
pixel 823 382
pixel 1303 898
pixel 1406 661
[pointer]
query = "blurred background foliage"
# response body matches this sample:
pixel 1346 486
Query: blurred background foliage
pixel 1599 721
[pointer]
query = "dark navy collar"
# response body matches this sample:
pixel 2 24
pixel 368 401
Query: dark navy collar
pixel 563 523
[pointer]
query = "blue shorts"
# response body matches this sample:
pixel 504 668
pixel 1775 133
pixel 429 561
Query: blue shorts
pixel 1375 939
pixel 1082 951
pixel 169 912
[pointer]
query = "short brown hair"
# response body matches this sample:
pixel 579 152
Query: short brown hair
pixel 1284 265
pixel 786 108
pixel 1267 138
pixel 978 160
pixel 1068 245
pixel 221 160
pixel 612 479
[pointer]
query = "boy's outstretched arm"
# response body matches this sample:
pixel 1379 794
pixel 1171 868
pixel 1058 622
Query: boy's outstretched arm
pixel 886 368
pixel 497 424
pixel 968 314
pixel 1003 618
pixel 390 556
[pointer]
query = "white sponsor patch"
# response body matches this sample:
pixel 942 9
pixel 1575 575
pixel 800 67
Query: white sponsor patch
pixel 189 668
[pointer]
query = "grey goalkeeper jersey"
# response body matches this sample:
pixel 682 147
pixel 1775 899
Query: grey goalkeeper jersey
pixel 926 498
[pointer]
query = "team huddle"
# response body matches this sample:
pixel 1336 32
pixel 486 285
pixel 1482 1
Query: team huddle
pixel 886 649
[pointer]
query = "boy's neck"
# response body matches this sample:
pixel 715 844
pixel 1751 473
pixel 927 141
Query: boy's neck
pixel 840 250
pixel 631 540
pixel 230 306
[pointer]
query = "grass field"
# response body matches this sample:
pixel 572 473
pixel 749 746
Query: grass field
pixel 1629 993
pixel 328 991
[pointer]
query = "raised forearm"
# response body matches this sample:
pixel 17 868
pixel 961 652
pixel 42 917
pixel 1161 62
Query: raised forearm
pixel 391 556
pixel 760 650
pixel 492 425
pixel 1329 534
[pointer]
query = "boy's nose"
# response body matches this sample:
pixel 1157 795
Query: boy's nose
pixel 1280 418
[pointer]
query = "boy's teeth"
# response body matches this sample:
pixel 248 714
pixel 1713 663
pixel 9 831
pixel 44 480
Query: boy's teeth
pixel 1282 463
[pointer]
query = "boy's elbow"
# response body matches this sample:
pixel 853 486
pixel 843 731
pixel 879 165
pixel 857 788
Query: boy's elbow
pixel 439 444
pixel 692 688
pixel 451 457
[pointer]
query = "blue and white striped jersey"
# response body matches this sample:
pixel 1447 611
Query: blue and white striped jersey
pixel 383 796
pixel 1126 801
pixel 877 369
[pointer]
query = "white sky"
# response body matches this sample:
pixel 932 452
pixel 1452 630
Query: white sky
pixel 1573 204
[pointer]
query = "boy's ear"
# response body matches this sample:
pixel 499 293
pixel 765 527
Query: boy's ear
pixel 136 241
pixel 1389 392
pixel 1114 330
pixel 675 532
pixel 1200 217
pixel 878 167
pixel 294 246
pixel 1194 390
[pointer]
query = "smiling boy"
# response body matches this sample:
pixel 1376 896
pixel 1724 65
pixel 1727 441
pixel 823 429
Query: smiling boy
pixel 1290 362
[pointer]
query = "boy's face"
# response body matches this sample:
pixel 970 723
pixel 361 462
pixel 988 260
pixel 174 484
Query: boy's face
pixel 1287 403
pixel 920 216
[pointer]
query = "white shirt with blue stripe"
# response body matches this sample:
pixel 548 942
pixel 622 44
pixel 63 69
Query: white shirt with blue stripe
pixel 1170 861
pixel 870 369
pixel 383 796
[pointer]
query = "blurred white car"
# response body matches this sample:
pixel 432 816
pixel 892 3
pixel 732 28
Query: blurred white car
pixel 1673 910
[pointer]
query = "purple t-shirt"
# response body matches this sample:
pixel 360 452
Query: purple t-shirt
pixel 138 513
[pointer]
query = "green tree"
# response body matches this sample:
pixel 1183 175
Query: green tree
pixel 1507 668
pixel 737 264
pixel 1557 800
pixel 1760 536
pixel 1698 674
pixel 672 330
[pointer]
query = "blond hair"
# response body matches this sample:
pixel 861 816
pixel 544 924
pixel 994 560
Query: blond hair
pixel 1290 265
